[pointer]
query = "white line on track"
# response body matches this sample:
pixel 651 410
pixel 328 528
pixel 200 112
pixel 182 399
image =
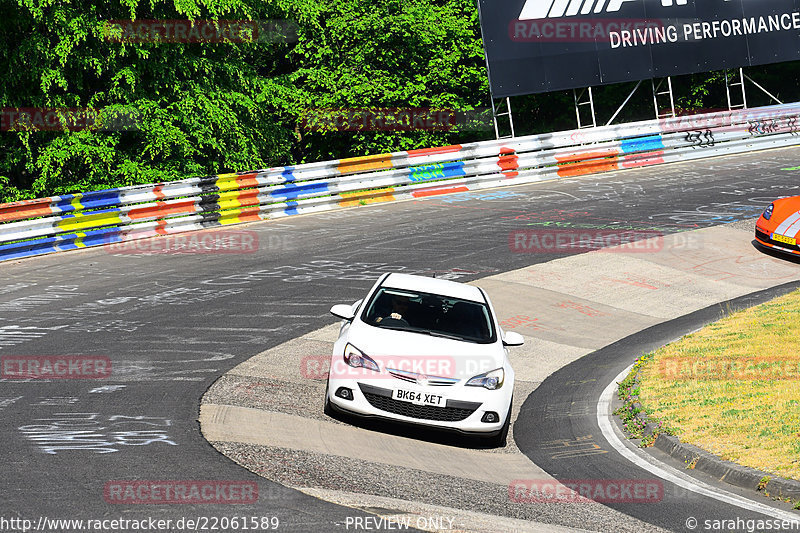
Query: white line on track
pixel 614 437
pixel 237 330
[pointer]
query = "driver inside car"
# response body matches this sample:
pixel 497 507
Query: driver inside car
pixel 400 305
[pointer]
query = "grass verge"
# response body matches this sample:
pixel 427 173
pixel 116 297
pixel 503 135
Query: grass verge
pixel 732 388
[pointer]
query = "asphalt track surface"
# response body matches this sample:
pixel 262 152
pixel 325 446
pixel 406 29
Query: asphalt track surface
pixel 172 323
pixel 568 391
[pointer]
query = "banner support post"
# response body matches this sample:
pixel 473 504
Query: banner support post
pixel 497 113
pixel 580 101
pixel 667 92
pixel 729 83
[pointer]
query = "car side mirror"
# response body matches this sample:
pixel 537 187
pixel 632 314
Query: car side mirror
pixel 343 311
pixel 512 338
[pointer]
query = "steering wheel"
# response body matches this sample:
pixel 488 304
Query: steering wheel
pixel 389 321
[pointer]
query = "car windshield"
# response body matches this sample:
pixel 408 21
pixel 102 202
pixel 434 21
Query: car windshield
pixel 430 314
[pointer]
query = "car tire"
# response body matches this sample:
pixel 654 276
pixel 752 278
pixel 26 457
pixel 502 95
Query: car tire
pixel 327 409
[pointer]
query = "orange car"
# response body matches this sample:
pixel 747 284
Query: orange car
pixel 779 226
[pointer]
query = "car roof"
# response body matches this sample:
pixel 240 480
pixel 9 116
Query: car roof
pixel 444 287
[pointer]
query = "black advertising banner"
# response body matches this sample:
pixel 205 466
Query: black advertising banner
pixel 535 46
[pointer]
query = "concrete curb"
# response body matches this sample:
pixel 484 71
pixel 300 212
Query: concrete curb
pixel 727 471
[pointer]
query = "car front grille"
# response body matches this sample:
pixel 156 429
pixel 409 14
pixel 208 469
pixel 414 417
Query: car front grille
pixel 763 237
pixel 413 377
pixel 455 411
pixel 405 376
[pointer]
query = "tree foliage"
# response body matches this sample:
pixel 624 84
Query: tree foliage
pixel 211 107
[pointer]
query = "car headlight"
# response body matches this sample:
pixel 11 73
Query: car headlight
pixel 358 359
pixel 768 212
pixel 490 380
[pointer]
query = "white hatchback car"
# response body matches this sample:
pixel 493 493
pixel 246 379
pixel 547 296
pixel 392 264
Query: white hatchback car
pixel 424 351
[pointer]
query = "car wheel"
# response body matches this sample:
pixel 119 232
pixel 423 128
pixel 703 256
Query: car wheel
pixel 327 409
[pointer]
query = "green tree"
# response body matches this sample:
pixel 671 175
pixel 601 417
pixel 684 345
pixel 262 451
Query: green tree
pixel 197 104
pixel 385 54
pixel 215 107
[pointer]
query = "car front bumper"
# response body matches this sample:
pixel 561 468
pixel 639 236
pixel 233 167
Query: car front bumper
pixel 463 410
pixel 763 238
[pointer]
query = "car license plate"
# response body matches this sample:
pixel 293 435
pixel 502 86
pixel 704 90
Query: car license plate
pixel 418 398
pixel 784 239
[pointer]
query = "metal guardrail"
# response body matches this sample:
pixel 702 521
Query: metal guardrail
pixel 45 225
